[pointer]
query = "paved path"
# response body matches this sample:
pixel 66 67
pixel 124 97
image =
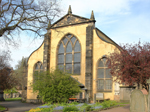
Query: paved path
pixel 18 106
pixel 118 109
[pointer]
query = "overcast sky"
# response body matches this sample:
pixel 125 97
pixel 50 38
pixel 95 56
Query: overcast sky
pixel 124 21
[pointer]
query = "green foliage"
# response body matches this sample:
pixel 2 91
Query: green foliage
pixel 85 104
pixel 71 108
pixel 107 104
pixel 20 73
pixel 13 99
pixel 55 86
pixel 2 108
pixel 13 90
pixel 97 103
pixel 74 103
pixel 89 108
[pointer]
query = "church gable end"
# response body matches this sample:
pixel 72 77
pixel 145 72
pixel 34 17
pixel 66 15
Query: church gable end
pixel 71 19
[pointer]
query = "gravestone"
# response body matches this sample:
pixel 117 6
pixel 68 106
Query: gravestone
pixel 138 101
pixel 148 81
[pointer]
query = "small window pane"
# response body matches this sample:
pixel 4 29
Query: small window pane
pixel 100 73
pixel 36 66
pixel 68 58
pixel 41 67
pixel 80 97
pixel 77 68
pixel 69 35
pixel 61 67
pixel 61 58
pixel 77 57
pixel 69 68
pixel 61 48
pixel 104 60
pixel 73 39
pixel 69 47
pixel 107 72
pixel 77 47
pixel 108 84
pixel 65 40
pixel 100 64
pixel 106 65
pixel 100 84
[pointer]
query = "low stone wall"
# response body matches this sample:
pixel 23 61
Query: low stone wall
pixel 12 95
pixel 125 93
pixel 37 101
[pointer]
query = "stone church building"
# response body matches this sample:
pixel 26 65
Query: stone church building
pixel 75 45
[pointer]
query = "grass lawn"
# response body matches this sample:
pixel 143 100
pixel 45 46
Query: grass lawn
pixel 2 108
pixel 13 99
pixel 122 103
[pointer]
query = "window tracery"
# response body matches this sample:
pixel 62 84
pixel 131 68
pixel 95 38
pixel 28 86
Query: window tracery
pixel 69 55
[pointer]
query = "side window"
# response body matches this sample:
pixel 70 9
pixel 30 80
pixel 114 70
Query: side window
pixel 38 68
pixel 104 79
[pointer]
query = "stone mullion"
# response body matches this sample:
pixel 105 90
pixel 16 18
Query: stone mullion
pixel 46 53
pixel 89 61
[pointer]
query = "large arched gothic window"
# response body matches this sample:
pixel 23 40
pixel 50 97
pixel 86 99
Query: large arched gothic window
pixel 104 79
pixel 69 54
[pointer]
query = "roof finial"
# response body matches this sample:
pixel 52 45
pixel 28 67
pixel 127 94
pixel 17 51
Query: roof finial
pixel 92 16
pixel 69 10
pixel 49 25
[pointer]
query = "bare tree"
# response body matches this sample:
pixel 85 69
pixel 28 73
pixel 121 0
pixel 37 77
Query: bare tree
pixel 21 74
pixel 4 59
pixel 26 15
pixel 6 80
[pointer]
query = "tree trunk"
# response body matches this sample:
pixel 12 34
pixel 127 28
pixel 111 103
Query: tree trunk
pixel 1 96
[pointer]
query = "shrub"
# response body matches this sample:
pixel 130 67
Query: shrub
pixel 85 104
pixel 72 108
pixel 107 104
pixel 58 86
pixel 89 108
pixel 74 103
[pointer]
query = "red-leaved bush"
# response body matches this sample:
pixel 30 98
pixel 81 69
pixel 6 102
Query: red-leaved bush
pixel 132 64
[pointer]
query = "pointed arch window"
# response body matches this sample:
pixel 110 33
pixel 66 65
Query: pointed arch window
pixel 104 79
pixel 38 68
pixel 69 55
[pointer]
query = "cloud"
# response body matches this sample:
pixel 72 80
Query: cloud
pixel 107 7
